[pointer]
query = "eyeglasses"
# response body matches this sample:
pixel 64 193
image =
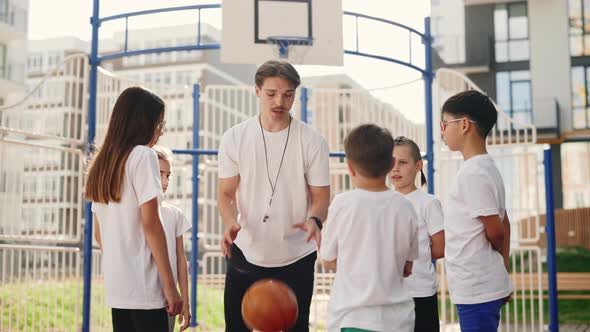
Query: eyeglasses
pixel 445 123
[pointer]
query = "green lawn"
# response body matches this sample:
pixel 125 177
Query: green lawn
pixel 57 306
pixel 573 259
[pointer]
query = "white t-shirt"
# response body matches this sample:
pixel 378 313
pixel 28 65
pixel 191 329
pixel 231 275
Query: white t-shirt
pixel 175 225
pixel 424 281
pixel 275 242
pixel 131 277
pixel 371 235
pixel 475 270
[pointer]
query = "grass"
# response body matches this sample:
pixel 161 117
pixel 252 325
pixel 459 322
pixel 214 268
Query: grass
pixel 57 306
pixel 568 259
pixel 572 259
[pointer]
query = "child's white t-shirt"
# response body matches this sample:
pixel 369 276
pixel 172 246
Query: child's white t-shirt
pixel 131 277
pixel 475 270
pixel 175 225
pixel 275 242
pixel 424 281
pixel 372 235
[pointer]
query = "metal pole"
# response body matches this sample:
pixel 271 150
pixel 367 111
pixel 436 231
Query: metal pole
pixel 428 77
pixel 94 20
pixel 195 206
pixel 550 233
pixel 304 99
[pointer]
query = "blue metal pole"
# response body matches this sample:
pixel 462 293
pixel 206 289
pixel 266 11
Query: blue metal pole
pixel 428 77
pixel 195 206
pixel 550 233
pixel 94 20
pixel 304 99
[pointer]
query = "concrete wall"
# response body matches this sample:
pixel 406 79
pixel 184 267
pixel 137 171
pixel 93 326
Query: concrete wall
pixel 550 62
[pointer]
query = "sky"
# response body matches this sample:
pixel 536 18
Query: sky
pixel 387 81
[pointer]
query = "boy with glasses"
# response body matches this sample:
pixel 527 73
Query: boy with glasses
pixel 477 228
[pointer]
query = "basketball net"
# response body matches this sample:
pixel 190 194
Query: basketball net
pixel 292 49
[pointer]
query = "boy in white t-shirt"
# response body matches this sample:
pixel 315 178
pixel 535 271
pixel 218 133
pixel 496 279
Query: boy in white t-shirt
pixel 477 228
pixel 175 225
pixel 371 239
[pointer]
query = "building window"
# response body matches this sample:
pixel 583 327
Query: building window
pixel 3 69
pixel 513 93
pixel 53 59
pixel 579 22
pixel 581 107
pixel 511 32
pixel 35 62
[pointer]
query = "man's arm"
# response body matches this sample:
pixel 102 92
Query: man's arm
pixel 320 200
pixel 227 204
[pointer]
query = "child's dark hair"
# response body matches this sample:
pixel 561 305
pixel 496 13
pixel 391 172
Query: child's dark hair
pixel 369 148
pixel 476 106
pixel 414 150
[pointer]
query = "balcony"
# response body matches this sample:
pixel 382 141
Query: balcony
pixel 12 78
pixel 13 23
pixel 466 56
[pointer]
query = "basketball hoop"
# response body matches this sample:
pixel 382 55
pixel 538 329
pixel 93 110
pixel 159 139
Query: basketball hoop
pixel 283 47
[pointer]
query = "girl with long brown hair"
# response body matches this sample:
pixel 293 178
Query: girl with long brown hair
pixel 124 186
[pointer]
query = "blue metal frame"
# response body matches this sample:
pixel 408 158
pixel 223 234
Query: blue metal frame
pixel 304 99
pixel 86 296
pixel 550 234
pixel 95 61
pixel 195 205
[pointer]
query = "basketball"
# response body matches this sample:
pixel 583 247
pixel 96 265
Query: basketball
pixel 269 305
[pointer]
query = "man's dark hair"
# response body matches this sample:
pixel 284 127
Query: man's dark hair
pixel 274 68
pixel 474 105
pixel 370 149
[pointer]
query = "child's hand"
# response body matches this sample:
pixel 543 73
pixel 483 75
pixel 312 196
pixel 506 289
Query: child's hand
pixel 408 269
pixel 173 300
pixel 185 315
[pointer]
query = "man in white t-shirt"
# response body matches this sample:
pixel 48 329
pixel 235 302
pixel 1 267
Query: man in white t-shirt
pixel 371 240
pixel 477 228
pixel 274 191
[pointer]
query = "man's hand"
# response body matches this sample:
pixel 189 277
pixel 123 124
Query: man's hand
pixel 313 232
pixel 229 235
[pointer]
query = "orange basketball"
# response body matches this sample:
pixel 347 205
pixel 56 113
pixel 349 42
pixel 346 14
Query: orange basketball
pixel 269 305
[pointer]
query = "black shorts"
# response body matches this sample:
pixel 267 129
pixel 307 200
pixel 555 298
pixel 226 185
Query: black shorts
pixel 137 320
pixel 241 275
